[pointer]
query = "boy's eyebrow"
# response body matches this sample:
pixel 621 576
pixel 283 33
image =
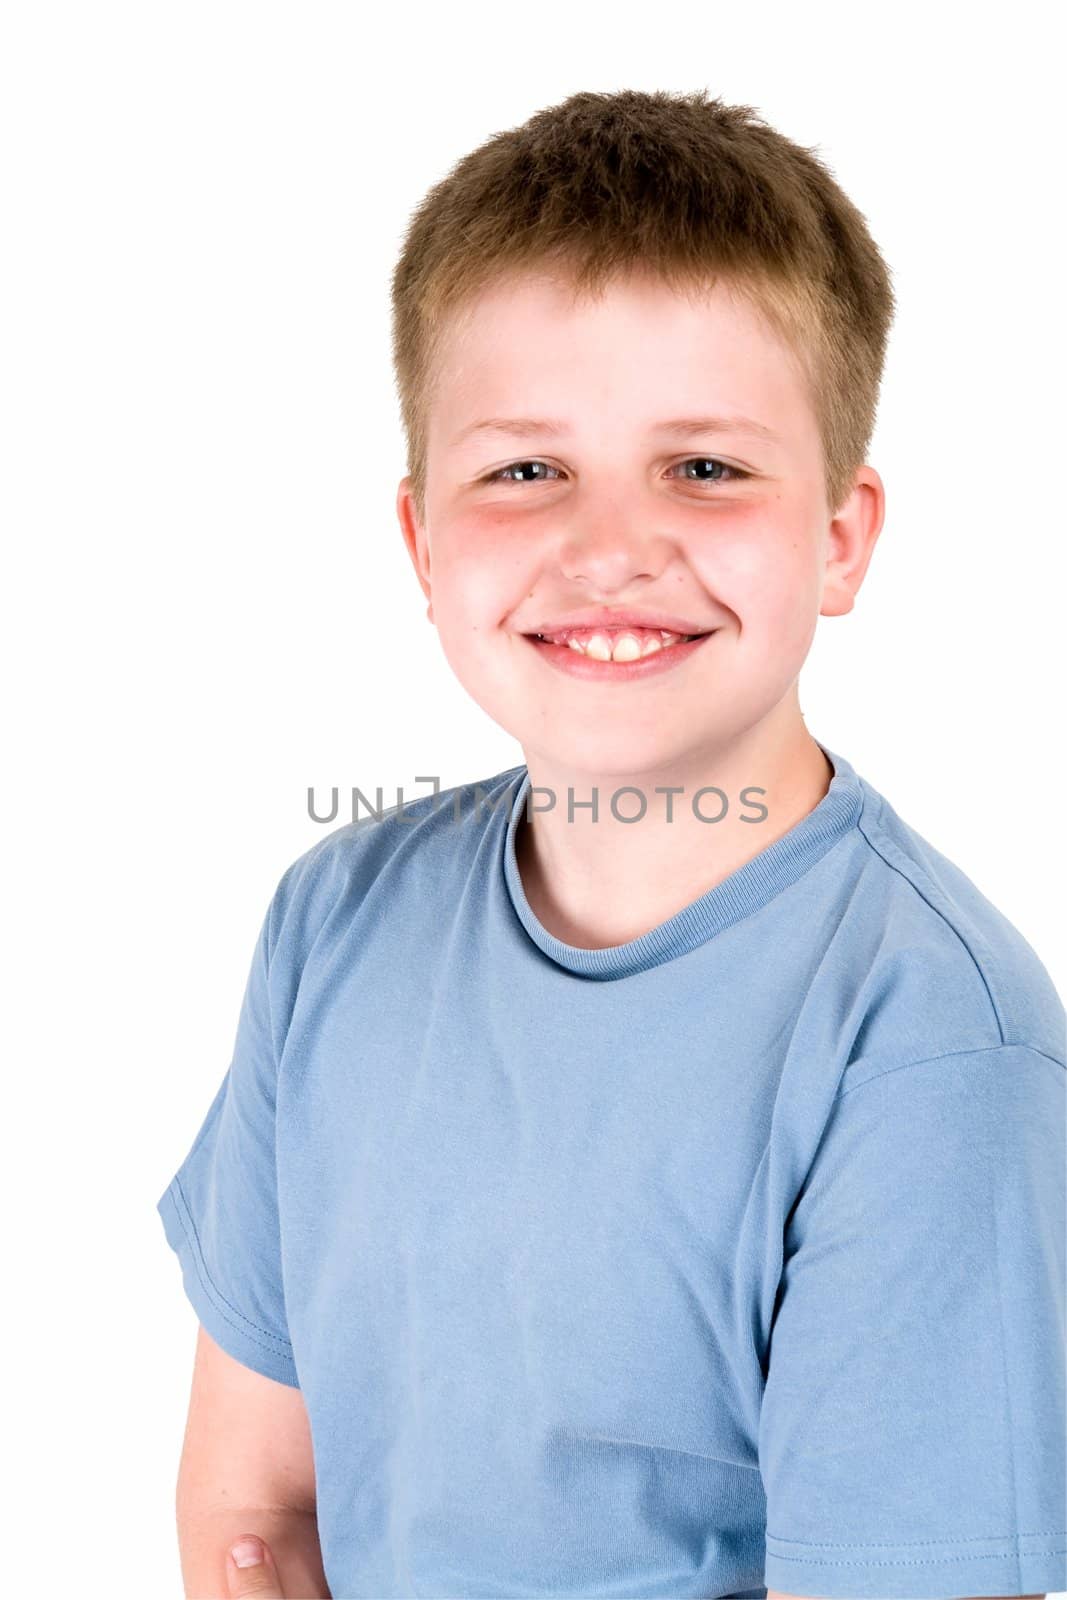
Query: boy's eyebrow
pixel 679 427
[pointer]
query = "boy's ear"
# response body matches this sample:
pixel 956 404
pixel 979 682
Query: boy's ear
pixel 851 539
pixel 415 540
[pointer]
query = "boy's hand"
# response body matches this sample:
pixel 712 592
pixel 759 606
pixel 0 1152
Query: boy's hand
pixel 250 1569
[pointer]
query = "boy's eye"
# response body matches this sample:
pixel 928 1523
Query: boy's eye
pixel 721 472
pixel 725 473
pixel 519 466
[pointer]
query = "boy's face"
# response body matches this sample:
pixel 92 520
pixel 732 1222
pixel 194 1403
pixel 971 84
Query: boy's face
pixel 620 512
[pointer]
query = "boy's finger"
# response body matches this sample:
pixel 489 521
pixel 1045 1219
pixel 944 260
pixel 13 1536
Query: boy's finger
pixel 250 1569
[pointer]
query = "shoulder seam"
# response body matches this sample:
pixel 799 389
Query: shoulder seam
pixel 947 1055
pixel 882 856
pixel 307 869
pixel 302 871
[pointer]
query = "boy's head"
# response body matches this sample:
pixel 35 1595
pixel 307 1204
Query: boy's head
pixel 617 263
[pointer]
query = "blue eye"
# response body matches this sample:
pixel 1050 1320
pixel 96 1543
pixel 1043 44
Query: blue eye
pixel 712 461
pixel 498 475
pixel 725 474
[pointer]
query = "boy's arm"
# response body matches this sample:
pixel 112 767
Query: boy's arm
pixel 247 1466
pixel 205 1536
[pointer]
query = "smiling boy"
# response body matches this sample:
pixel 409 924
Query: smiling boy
pixel 683 493
pixel 639 1172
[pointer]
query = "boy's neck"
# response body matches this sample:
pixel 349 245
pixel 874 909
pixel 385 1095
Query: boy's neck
pixel 595 884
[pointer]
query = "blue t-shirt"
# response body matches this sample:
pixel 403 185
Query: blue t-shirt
pixel 728 1258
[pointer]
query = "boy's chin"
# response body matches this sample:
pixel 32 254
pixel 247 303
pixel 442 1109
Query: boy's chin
pixel 624 753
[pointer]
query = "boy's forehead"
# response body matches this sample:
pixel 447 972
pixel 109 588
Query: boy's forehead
pixel 528 341
pixel 633 299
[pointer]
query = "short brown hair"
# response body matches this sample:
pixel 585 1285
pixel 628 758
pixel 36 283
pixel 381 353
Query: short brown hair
pixel 685 187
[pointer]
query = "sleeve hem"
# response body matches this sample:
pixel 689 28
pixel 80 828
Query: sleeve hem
pixel 266 1353
pixel 1025 1564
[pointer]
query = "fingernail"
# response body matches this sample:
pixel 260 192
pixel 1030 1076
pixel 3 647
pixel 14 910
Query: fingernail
pixel 247 1553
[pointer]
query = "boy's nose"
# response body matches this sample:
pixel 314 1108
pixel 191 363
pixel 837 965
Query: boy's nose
pixel 613 550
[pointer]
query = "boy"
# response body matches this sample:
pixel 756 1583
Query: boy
pixel 666 1199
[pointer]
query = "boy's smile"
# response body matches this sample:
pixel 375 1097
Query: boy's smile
pixel 611 649
pixel 650 459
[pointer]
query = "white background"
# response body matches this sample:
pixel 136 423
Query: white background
pixel 208 605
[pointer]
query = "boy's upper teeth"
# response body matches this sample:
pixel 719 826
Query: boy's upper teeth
pixel 615 644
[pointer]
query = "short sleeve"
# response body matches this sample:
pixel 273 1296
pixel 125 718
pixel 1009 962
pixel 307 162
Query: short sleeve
pixel 913 1429
pixel 220 1211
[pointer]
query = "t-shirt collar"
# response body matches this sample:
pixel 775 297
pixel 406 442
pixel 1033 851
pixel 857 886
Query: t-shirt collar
pixel 738 895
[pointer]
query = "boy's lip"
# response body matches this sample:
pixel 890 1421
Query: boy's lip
pixel 620 617
pixel 576 664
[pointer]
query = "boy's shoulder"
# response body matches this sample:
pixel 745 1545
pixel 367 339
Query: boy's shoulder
pixel 926 965
pixel 423 844
pixel 945 970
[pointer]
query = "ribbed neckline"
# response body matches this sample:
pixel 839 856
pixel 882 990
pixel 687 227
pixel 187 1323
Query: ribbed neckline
pixel 737 896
